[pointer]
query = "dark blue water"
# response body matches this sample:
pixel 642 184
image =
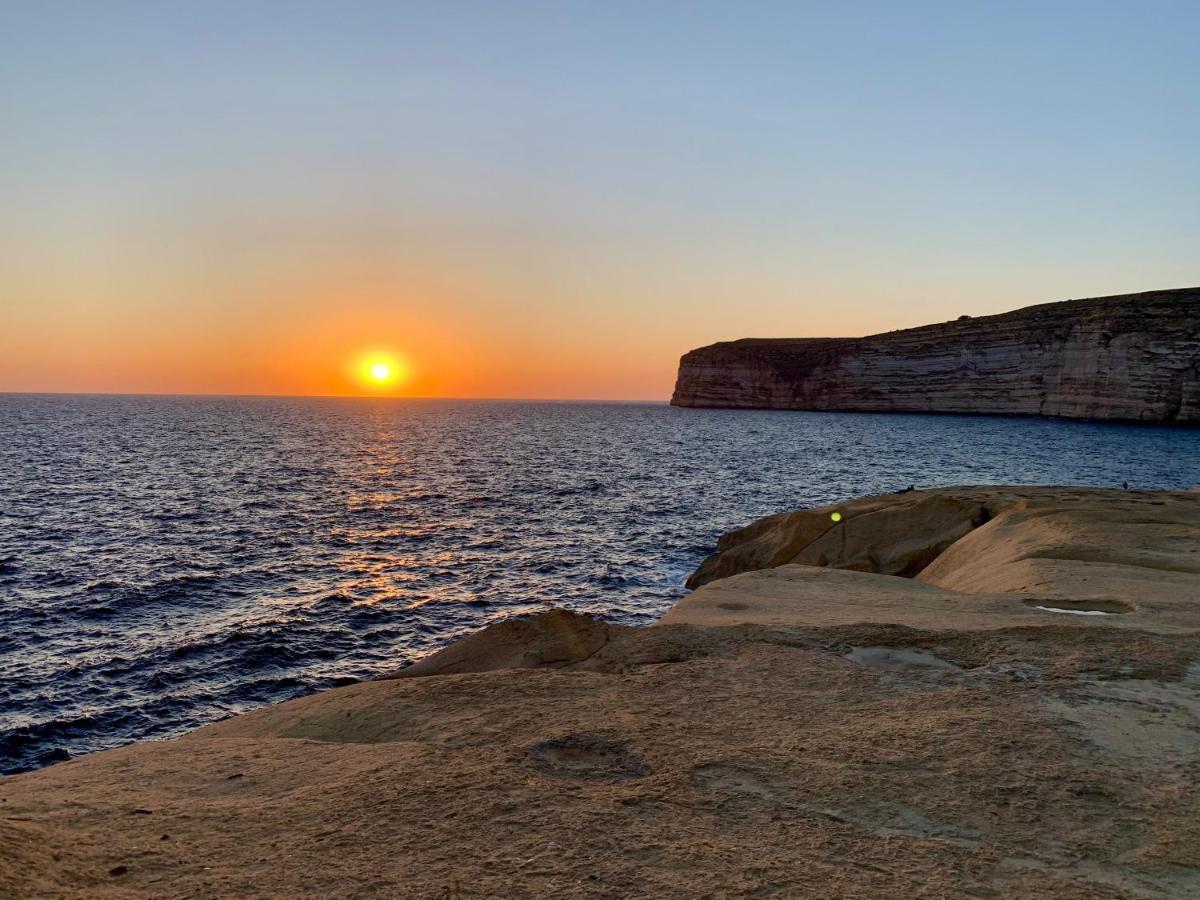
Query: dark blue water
pixel 165 562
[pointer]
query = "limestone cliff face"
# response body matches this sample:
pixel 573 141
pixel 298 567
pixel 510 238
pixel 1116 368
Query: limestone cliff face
pixel 1133 357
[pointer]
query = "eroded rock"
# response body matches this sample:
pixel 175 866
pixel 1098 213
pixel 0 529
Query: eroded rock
pixel 558 637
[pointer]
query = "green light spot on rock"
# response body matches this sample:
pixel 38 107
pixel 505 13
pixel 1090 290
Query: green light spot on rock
pixel 836 516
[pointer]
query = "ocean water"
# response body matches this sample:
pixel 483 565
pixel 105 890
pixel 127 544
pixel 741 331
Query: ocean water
pixel 166 562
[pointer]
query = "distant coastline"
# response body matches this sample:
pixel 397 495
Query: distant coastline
pixel 1128 358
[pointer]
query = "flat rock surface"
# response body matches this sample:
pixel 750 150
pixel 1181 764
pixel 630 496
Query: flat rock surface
pixel 804 595
pixel 744 760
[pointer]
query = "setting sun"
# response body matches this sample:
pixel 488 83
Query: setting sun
pixel 378 371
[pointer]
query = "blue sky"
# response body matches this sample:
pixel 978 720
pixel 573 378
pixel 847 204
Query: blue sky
pixel 651 176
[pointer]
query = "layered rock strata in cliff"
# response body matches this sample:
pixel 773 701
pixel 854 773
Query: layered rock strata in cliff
pixel 1134 357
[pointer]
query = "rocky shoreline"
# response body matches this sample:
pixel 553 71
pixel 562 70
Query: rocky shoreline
pixel 989 691
pixel 1133 357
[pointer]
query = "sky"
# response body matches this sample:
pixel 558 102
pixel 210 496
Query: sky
pixel 558 199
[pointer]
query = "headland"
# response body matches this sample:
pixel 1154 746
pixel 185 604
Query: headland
pixel 1134 357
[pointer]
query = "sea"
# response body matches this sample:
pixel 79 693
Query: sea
pixel 166 562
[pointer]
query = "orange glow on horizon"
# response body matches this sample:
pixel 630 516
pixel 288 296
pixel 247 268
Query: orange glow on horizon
pixel 311 332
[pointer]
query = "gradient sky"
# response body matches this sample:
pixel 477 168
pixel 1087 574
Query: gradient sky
pixel 558 199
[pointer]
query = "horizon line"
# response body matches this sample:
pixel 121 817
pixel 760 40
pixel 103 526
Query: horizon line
pixel 320 396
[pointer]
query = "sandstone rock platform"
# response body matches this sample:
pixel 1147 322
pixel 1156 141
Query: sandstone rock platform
pixel 977 557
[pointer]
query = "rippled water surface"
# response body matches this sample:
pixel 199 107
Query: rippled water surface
pixel 165 562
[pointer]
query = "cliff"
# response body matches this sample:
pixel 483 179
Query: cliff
pixel 1134 357
pixel 1013 711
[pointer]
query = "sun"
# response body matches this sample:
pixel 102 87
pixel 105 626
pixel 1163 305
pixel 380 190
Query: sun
pixel 377 371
